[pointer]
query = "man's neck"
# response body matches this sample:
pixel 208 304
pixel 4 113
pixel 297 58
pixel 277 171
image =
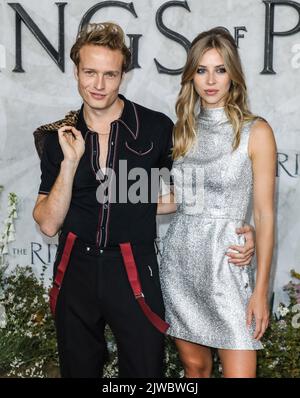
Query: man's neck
pixel 97 118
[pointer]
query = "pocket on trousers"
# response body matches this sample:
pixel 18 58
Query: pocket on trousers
pixel 148 266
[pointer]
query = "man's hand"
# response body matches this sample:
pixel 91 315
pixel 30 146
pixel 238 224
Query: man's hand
pixel 244 253
pixel 72 143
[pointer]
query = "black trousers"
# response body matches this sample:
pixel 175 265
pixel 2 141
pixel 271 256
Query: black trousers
pixel 95 292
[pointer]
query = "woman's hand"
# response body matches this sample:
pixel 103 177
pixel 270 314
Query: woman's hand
pixel 258 309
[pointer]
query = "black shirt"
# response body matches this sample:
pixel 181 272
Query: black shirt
pixel 143 138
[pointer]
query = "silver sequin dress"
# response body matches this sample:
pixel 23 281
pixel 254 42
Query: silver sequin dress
pixel 206 297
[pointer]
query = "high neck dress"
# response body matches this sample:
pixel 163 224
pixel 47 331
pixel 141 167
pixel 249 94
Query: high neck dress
pixel 205 296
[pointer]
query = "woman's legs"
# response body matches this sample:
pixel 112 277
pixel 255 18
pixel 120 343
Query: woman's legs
pixel 238 363
pixel 196 359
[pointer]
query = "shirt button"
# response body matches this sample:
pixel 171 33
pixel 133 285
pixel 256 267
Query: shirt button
pixel 102 228
pixel 105 206
pixel 101 251
pixel 112 144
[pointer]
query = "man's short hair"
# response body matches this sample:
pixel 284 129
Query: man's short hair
pixel 105 34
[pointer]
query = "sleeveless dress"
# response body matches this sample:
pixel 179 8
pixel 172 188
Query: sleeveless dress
pixel 205 297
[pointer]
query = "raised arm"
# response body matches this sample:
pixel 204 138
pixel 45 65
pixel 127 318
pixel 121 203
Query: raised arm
pixel 50 210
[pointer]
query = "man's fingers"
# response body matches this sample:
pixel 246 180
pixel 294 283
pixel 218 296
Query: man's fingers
pixel 64 133
pixel 243 230
pixel 241 254
pixel 243 257
pixel 240 259
pixel 243 249
pixel 240 249
pixel 250 252
pixel 241 263
pixel 76 132
pixel 69 130
pixel 65 128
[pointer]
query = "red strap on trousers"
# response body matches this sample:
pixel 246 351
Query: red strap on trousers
pixel 61 269
pixel 135 284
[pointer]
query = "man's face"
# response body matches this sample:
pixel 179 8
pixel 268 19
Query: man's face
pixel 99 76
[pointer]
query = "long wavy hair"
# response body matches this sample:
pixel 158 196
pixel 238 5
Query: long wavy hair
pixel 236 102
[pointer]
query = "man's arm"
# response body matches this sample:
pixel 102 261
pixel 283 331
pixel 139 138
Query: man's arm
pixel 166 201
pixel 166 204
pixel 50 210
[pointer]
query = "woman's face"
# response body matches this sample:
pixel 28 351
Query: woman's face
pixel 211 81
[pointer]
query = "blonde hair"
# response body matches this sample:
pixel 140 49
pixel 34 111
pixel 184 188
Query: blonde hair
pixel 236 103
pixel 105 34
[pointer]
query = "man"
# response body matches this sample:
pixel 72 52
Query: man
pixel 106 268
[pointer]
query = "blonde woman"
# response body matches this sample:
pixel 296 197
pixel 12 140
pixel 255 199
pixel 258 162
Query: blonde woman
pixel 221 147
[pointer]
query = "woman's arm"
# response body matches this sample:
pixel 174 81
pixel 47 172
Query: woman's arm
pixel 262 152
pixel 166 204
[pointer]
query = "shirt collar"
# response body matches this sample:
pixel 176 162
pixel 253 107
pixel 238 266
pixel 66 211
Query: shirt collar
pixel 128 119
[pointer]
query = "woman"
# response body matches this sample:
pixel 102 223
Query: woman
pixel 225 154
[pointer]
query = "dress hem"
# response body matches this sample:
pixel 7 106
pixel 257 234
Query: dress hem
pixel 207 343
